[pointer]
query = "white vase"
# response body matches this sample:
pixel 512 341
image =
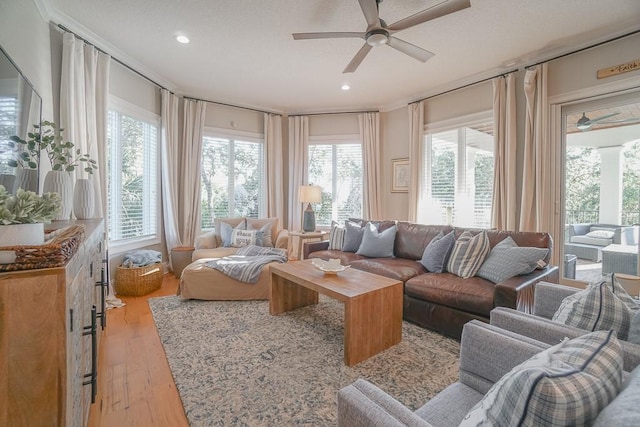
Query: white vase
pixel 60 182
pixel 27 179
pixel 83 199
pixel 18 235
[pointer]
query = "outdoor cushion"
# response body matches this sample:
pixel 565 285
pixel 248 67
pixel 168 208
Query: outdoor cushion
pixel 567 384
pixel 597 241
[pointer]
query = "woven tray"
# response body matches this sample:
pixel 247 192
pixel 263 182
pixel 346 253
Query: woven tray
pixel 55 252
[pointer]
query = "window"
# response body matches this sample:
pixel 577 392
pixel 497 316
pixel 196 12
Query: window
pixel 8 120
pixel 232 179
pixel 458 176
pixel 133 160
pixel 337 169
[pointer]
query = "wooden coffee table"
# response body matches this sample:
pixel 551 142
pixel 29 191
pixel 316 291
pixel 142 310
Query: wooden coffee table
pixel 372 304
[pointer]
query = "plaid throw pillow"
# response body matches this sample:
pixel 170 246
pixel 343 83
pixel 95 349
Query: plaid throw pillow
pixel 336 236
pixel 468 254
pixel 596 308
pixel 567 384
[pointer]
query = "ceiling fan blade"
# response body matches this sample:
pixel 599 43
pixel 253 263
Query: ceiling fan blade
pixel 355 62
pixel 335 35
pixel 410 49
pixel 606 116
pixel 441 9
pixel 631 120
pixel 371 13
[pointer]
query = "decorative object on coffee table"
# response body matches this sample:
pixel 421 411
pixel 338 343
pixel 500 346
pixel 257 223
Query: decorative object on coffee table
pixel 331 266
pixel 309 194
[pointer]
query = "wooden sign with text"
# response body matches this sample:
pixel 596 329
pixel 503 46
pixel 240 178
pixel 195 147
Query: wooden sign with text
pixel 619 69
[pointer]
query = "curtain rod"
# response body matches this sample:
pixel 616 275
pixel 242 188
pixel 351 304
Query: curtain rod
pixel 334 112
pixel 231 105
pixel 533 65
pixel 467 85
pixel 63 28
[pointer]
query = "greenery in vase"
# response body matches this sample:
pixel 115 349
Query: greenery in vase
pixel 48 137
pixel 26 207
pixel 29 156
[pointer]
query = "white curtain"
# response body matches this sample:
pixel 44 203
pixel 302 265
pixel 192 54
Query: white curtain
pixel 84 87
pixel 170 152
pixel 416 138
pixel 536 208
pixel 194 116
pixel 369 125
pixel 298 159
pixel 504 204
pixel 275 171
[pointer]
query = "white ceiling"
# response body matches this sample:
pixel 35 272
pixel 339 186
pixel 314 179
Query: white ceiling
pixel 242 52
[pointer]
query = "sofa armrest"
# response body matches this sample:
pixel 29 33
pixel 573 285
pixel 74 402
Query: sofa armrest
pixel 362 404
pixel 282 240
pixel 488 352
pixel 518 292
pixel 552 333
pixel 548 298
pixel 309 247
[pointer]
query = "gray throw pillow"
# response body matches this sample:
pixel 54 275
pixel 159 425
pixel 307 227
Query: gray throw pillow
pixel 634 329
pixel 264 235
pixel 352 236
pixel 468 254
pixel 567 384
pixel 507 259
pixel 377 244
pixel 436 254
pixel 226 231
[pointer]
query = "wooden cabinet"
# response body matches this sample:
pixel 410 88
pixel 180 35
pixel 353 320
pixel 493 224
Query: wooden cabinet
pixel 50 325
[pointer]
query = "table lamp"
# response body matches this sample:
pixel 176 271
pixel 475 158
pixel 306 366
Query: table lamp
pixel 309 194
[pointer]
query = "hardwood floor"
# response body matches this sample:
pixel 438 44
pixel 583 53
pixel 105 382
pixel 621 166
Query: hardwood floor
pixel 135 386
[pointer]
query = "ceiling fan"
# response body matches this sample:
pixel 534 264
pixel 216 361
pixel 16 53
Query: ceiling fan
pixel 379 33
pixel 585 123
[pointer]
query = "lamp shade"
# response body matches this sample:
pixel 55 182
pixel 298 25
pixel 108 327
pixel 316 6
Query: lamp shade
pixel 310 194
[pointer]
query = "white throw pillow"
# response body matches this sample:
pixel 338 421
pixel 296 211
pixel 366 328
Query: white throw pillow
pixel 601 234
pixel 336 236
pixel 241 238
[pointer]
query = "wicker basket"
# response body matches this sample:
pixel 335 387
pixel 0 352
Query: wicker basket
pixel 138 281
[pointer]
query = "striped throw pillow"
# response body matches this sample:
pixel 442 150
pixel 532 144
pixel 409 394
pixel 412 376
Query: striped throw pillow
pixel 336 236
pixel 567 384
pixel 468 254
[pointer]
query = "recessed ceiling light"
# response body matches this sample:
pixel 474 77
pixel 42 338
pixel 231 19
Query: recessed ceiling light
pixel 345 87
pixel 182 39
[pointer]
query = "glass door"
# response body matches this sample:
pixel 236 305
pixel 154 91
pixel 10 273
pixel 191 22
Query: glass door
pixel 601 188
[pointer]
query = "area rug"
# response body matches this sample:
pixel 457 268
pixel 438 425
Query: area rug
pixel 236 365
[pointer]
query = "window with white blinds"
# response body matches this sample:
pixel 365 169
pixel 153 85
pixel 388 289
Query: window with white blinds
pixel 337 169
pixel 231 180
pixel 458 176
pixel 8 123
pixel 133 180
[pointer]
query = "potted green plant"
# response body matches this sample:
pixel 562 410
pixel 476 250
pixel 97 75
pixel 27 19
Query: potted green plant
pixel 27 159
pixel 22 218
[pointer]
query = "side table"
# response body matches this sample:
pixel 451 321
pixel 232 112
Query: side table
pixel 301 237
pixel 180 258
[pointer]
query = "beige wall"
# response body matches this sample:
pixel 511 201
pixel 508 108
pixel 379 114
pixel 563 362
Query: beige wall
pixel 127 85
pixel 394 136
pixel 333 124
pixel 224 117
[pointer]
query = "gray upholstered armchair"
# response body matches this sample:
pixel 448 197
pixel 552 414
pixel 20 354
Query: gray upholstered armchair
pixel 539 326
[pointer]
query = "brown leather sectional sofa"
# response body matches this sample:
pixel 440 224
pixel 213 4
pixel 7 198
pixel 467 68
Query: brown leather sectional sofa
pixel 444 302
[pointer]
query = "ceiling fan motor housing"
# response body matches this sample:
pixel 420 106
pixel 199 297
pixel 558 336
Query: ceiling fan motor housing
pixel 377 37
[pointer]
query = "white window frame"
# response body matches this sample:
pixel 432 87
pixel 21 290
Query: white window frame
pixel 242 136
pixel 140 114
pixel 335 140
pixel 461 154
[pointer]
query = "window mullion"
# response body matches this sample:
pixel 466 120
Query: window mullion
pixel 232 179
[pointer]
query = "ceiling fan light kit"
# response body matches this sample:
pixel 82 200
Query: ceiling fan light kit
pixel 378 33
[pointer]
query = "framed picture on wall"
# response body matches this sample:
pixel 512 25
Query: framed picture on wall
pixel 400 175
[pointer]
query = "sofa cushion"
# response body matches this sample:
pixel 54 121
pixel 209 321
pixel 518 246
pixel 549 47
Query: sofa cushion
pixel 623 411
pixel 394 268
pixel 596 308
pixel 596 241
pixel 336 236
pixel 346 258
pixel 377 244
pixel 226 233
pixel 507 259
pixel 601 234
pixel 472 295
pixel 206 240
pixel 264 235
pixel 412 239
pixel 468 254
pixel 267 225
pixel 634 329
pixel 241 238
pixel 352 236
pixel 567 384
pixel 437 252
